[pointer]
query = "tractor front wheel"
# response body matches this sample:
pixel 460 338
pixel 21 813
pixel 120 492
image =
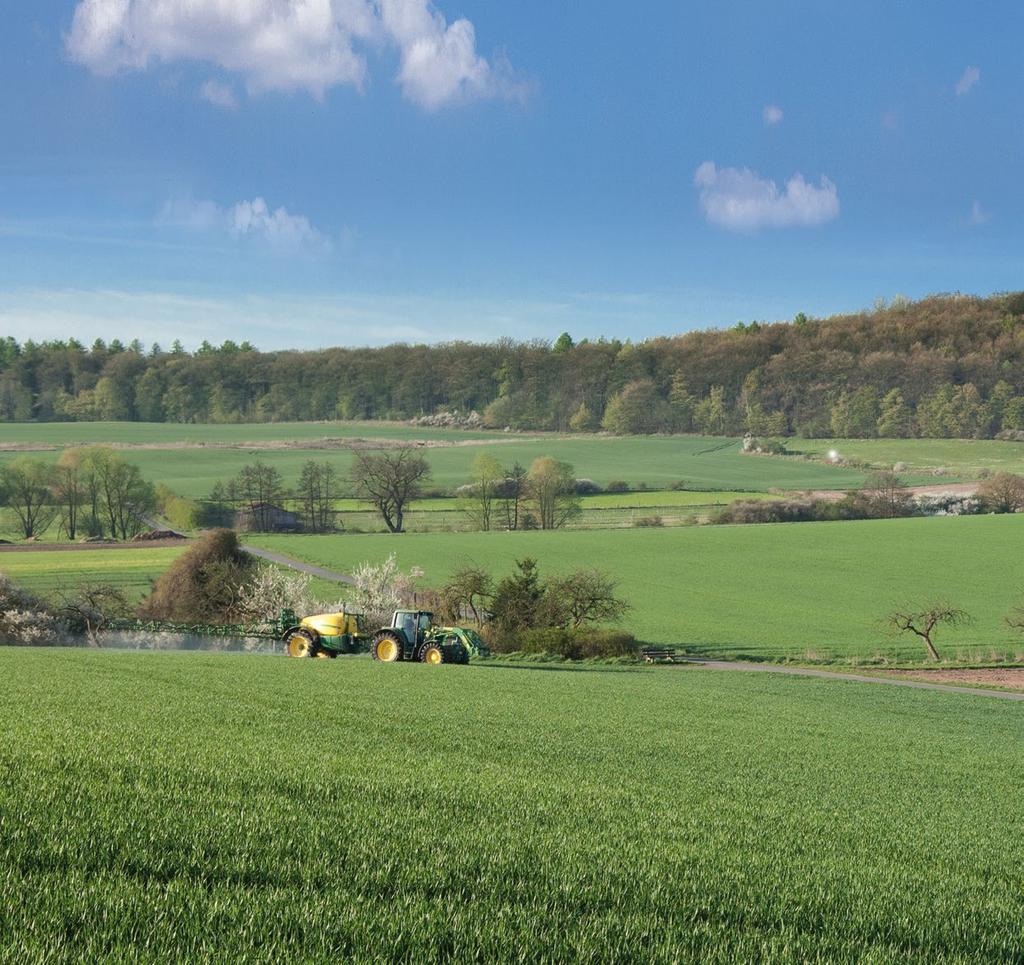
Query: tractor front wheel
pixel 433 653
pixel 302 643
pixel 386 648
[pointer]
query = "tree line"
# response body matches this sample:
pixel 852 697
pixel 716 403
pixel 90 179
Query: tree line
pixel 945 366
pixel 91 492
pixel 544 496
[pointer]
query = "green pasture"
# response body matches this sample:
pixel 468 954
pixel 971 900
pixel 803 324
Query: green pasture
pixel 701 463
pixel 48 571
pixel 772 591
pixel 959 457
pixel 212 807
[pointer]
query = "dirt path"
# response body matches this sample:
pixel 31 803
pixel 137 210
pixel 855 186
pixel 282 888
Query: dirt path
pixel 324 574
pixel 858 678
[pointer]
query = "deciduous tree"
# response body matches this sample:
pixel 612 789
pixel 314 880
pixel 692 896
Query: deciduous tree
pixel 26 488
pixel 552 486
pixel 925 621
pixel 390 480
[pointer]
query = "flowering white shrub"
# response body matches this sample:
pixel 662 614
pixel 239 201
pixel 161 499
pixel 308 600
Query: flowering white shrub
pixel 382 588
pixel 24 619
pixel 947 504
pixel 261 600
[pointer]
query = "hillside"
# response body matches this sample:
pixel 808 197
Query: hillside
pixel 947 366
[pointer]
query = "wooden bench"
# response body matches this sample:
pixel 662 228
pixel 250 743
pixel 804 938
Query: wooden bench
pixel 659 654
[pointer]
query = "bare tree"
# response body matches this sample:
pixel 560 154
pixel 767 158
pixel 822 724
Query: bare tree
pixel 482 494
pixel 587 596
pixel 25 485
pixel 316 492
pixel 468 589
pixel 390 480
pixel 91 607
pixel 884 495
pixel 924 622
pixel 552 486
pixel 511 491
pixel 1003 493
pixel 259 488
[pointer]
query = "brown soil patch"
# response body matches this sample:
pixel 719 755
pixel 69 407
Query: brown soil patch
pixel 961 489
pixel 325 443
pixel 1010 677
pixel 88 547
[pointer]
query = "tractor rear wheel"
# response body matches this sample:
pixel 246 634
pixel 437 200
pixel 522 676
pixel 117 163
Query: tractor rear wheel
pixel 302 643
pixel 386 647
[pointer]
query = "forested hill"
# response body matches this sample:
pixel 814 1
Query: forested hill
pixel 943 366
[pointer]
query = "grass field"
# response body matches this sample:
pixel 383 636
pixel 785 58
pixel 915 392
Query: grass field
pixel 769 591
pixel 186 807
pixel 46 571
pixel 960 457
pixel 702 462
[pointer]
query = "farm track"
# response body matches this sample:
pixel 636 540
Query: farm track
pixel 319 571
pixel 856 678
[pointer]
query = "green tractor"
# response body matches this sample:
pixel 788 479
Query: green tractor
pixel 324 635
pixel 413 636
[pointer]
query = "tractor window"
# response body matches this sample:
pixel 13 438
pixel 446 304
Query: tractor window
pixel 424 621
pixel 409 625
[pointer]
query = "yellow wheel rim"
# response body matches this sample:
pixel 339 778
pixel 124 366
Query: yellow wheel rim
pixel 387 650
pixel 298 645
pixel 433 655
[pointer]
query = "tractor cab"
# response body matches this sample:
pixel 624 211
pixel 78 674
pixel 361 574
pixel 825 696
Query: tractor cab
pixel 414 624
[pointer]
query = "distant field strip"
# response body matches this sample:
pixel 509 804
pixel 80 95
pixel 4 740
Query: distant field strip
pixel 697 462
pixel 169 433
pixel 764 591
pixel 48 571
pixel 205 807
pixel 959 457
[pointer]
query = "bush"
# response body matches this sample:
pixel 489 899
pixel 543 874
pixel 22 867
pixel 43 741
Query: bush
pixel 578 644
pixel 25 619
pixel 203 584
pixel 1002 493
pixel 647 521
pixel 791 510
pixel 677 485
pixel 182 514
pixel 587 487
pixel 617 486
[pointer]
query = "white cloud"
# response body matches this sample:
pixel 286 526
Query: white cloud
pixel 218 94
pixel 739 199
pixel 292 45
pixel 440 64
pixel 772 114
pixel 246 221
pixel 968 79
pixel 979 215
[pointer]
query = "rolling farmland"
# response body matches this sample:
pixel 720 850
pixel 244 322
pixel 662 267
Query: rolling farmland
pixel 769 591
pixel 498 814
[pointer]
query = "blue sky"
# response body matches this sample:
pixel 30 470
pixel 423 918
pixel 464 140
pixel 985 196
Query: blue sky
pixel 309 172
